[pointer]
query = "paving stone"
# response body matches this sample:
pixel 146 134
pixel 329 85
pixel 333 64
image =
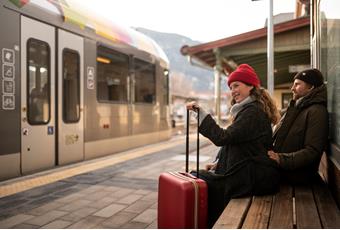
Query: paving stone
pixel 75 205
pixel 65 192
pixel 151 196
pixel 47 189
pixel 70 198
pixel 148 216
pixel 129 199
pixel 25 226
pixel 155 205
pixel 94 188
pixel 109 210
pixel 111 188
pixel 139 206
pixel 57 224
pixel 46 218
pixel 15 220
pixel 8 214
pixel 121 193
pixel 118 220
pixel 11 204
pixel 134 225
pixel 12 200
pixel 97 195
pixel 142 191
pixel 104 202
pixel 45 208
pixel 153 225
pixel 36 202
pixel 87 178
pixel 88 222
pixel 79 214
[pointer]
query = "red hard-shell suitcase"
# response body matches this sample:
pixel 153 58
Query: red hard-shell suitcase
pixel 182 198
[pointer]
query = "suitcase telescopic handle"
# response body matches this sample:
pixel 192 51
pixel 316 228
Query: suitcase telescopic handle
pixel 187 142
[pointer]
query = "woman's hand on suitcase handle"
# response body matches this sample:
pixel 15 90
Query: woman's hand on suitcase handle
pixel 193 106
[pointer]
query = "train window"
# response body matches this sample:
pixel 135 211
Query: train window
pixel 71 86
pixel 38 82
pixel 145 82
pixel 166 87
pixel 112 71
pixel 330 61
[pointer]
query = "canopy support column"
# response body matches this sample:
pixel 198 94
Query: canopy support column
pixel 270 50
pixel 217 74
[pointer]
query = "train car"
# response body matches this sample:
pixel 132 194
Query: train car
pixel 325 32
pixel 75 86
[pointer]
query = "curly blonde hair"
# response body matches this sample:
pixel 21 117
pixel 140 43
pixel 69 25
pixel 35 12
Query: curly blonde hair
pixel 268 104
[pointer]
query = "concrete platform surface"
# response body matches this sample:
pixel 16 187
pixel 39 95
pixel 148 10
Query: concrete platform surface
pixel 116 191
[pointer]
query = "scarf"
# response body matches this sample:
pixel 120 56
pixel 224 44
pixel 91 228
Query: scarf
pixel 236 108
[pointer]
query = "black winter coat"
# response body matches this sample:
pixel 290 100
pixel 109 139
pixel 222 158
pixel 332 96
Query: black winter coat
pixel 244 167
pixel 302 137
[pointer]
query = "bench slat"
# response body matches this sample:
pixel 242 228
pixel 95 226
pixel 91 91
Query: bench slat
pixel 306 212
pixel 234 214
pixel 282 210
pixel 328 210
pixel 259 212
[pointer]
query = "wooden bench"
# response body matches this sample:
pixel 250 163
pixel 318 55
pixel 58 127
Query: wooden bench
pixel 293 207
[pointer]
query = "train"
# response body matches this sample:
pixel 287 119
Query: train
pixel 75 86
pixel 325 55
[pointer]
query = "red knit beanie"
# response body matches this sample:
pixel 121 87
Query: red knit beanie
pixel 246 74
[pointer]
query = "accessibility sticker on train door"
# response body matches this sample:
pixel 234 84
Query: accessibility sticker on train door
pixel 8 71
pixel 8 56
pixel 8 102
pixel 90 77
pixel 8 87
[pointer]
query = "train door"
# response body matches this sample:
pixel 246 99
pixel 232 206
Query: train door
pixel 70 97
pixel 37 95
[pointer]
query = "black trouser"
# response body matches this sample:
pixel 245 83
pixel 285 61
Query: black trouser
pixel 247 178
pixel 222 188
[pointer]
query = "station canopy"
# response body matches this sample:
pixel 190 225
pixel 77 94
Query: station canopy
pixel 291 51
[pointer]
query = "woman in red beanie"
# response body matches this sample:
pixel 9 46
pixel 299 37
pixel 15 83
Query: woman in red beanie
pixel 242 167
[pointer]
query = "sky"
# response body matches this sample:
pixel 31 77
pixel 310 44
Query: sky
pixel 200 20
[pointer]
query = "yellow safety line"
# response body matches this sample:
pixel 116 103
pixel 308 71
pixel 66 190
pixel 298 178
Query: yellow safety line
pixel 20 186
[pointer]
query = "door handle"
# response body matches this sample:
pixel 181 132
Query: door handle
pixel 25 132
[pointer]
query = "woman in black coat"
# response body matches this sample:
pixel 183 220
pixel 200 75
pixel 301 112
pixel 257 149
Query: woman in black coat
pixel 243 166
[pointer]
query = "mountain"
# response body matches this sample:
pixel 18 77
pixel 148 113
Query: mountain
pixel 199 80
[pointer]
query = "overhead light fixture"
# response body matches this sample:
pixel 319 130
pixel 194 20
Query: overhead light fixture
pixel 103 60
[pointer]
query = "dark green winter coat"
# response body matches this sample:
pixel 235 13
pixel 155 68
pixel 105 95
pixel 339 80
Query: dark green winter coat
pixel 244 167
pixel 302 137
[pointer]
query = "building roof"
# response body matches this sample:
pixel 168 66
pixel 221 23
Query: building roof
pixel 291 45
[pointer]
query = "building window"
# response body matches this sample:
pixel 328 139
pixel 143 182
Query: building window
pixel 145 82
pixel 113 72
pixel 330 61
pixel 38 82
pixel 286 97
pixel 71 86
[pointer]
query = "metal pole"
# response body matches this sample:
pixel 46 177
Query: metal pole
pixel 270 50
pixel 217 93
pixel 217 73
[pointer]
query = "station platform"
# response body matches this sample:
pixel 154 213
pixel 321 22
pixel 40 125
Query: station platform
pixel 116 191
